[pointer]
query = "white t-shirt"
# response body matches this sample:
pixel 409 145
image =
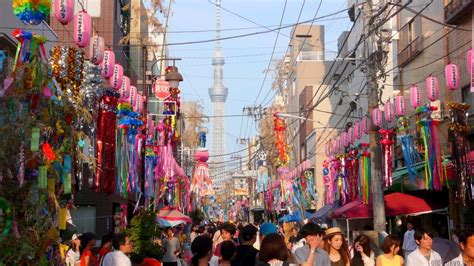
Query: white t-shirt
pixel 72 257
pixel 409 242
pixel 417 259
pixel 116 258
pixel 459 261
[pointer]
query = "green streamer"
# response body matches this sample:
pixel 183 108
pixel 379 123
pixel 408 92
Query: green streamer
pixel 35 135
pixel 67 184
pixel 43 178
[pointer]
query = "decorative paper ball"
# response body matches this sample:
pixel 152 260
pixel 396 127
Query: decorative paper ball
pixel 31 12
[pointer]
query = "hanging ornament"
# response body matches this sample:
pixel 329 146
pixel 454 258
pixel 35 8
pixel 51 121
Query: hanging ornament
pixel 432 88
pixel 388 111
pixel 64 11
pixel 387 147
pixel 116 79
pixel 338 143
pixel 400 105
pixel 364 125
pixel 97 50
pixel 132 97
pixel 31 12
pixel 125 88
pixel 451 75
pixel 357 130
pixel 108 64
pixel 82 29
pixel 415 95
pixel 376 117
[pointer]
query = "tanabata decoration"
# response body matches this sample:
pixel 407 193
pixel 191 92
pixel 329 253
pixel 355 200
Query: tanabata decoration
pixel 64 11
pixel 3 56
pixel 279 127
pixel 432 90
pixel 364 172
pixel 434 175
pixel 263 179
pixel 31 12
pixel 457 135
pixel 6 217
pixel 328 184
pixel 309 187
pixel 415 96
pixel 407 142
pixel 97 50
pixel 82 29
pixel 387 148
pixel 67 64
pixel 352 173
pixel 451 75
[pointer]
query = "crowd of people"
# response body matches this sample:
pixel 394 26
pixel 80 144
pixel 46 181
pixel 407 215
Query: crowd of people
pixel 267 245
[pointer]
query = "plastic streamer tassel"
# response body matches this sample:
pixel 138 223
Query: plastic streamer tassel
pixel 150 163
pixel 364 171
pixel 387 146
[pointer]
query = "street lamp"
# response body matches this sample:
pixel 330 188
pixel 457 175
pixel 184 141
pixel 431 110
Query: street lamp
pixel 173 77
pixel 285 115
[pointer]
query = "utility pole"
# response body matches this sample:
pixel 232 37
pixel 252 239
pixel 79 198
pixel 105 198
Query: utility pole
pixel 373 100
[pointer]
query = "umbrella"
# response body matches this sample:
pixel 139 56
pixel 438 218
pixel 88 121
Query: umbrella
pixel 295 217
pixel 168 217
pixel 447 249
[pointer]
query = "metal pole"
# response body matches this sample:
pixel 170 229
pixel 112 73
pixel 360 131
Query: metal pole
pixel 375 152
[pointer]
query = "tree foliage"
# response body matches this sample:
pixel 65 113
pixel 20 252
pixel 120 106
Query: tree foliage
pixel 144 233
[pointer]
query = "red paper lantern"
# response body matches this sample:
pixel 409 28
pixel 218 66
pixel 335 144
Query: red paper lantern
pixel 415 95
pixel 116 79
pixel 400 105
pixel 388 111
pixel 96 50
pixel 82 29
pixel 108 64
pixel 64 11
pixel 376 117
pixel 451 74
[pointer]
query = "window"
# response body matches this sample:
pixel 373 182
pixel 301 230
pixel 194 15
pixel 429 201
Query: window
pixel 304 43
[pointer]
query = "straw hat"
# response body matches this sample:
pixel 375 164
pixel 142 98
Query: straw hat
pixel 333 231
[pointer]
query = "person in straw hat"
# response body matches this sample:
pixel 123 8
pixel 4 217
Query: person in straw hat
pixel 336 246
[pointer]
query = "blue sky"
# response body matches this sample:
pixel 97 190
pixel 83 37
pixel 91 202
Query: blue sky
pixel 246 58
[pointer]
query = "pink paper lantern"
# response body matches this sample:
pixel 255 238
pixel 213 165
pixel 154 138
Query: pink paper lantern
pixel 415 95
pixel 345 139
pixel 333 145
pixel 138 103
pixel 96 50
pixel 339 143
pixel 364 125
pixel 108 64
pixel 64 11
pixel 116 79
pixel 400 105
pixel 388 111
pixel 469 61
pixel 451 74
pixel 351 136
pixel 432 88
pixel 132 97
pixel 82 29
pixel 357 131
pixel 376 117
pixel 125 88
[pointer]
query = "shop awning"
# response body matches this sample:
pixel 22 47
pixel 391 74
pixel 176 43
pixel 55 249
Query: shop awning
pixel 347 207
pixel 324 211
pixel 395 204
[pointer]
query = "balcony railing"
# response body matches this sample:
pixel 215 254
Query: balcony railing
pixel 456 9
pixel 310 56
pixel 410 51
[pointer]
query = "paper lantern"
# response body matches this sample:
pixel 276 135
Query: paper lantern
pixel 82 29
pixel 132 97
pixel 96 50
pixel 415 96
pixel 376 117
pixel 345 139
pixel 357 131
pixel 338 143
pixel 469 61
pixel 108 64
pixel 116 79
pixel 138 107
pixel 451 74
pixel 400 105
pixel 125 88
pixel 432 88
pixel 388 111
pixel 364 125
pixel 351 136
pixel 333 145
pixel 327 149
pixel 64 11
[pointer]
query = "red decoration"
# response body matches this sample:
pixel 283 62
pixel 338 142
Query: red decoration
pixel 387 146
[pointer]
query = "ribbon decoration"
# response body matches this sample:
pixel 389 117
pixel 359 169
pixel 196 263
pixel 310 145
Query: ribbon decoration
pixel 280 127
pixel 263 179
pixel 328 183
pixel 352 165
pixel 387 147
pixel 150 163
pixel 457 135
pixel 364 171
pixel 406 140
pixel 310 186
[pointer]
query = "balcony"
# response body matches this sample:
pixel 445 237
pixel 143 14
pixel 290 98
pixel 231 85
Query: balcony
pixel 310 56
pixel 456 10
pixel 410 51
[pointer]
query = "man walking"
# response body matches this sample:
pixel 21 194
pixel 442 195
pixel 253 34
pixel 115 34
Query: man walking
pixel 122 248
pixel 424 255
pixel 409 244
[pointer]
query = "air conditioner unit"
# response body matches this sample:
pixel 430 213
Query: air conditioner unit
pixel 438 114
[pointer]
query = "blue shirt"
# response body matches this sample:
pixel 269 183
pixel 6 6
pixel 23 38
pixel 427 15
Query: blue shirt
pixel 321 256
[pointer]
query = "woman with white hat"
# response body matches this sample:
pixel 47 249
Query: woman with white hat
pixel 336 246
